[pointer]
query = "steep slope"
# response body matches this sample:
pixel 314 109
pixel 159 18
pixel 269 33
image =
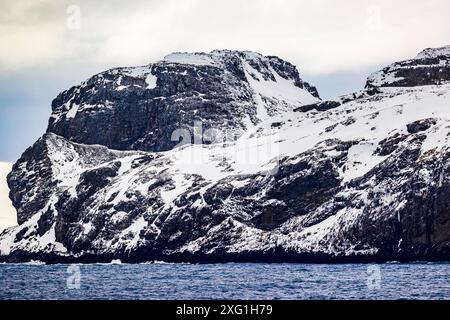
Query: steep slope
pixel 360 178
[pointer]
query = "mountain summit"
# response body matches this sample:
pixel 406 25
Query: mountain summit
pixel 231 156
pixel 431 66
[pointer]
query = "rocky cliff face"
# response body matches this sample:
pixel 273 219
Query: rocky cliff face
pixel 140 108
pixel 364 177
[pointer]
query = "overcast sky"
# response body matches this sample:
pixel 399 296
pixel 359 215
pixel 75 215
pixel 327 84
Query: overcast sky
pixel 48 46
pixel 7 211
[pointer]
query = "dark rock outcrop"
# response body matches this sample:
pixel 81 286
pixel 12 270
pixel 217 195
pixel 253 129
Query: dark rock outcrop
pixel 420 125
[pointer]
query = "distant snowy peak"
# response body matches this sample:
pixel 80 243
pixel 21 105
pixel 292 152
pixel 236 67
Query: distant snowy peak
pixel 434 53
pixel 429 67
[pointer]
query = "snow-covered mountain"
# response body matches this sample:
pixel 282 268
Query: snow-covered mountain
pixel 431 66
pixel 266 171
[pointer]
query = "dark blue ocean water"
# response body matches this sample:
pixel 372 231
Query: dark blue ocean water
pixel 225 281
